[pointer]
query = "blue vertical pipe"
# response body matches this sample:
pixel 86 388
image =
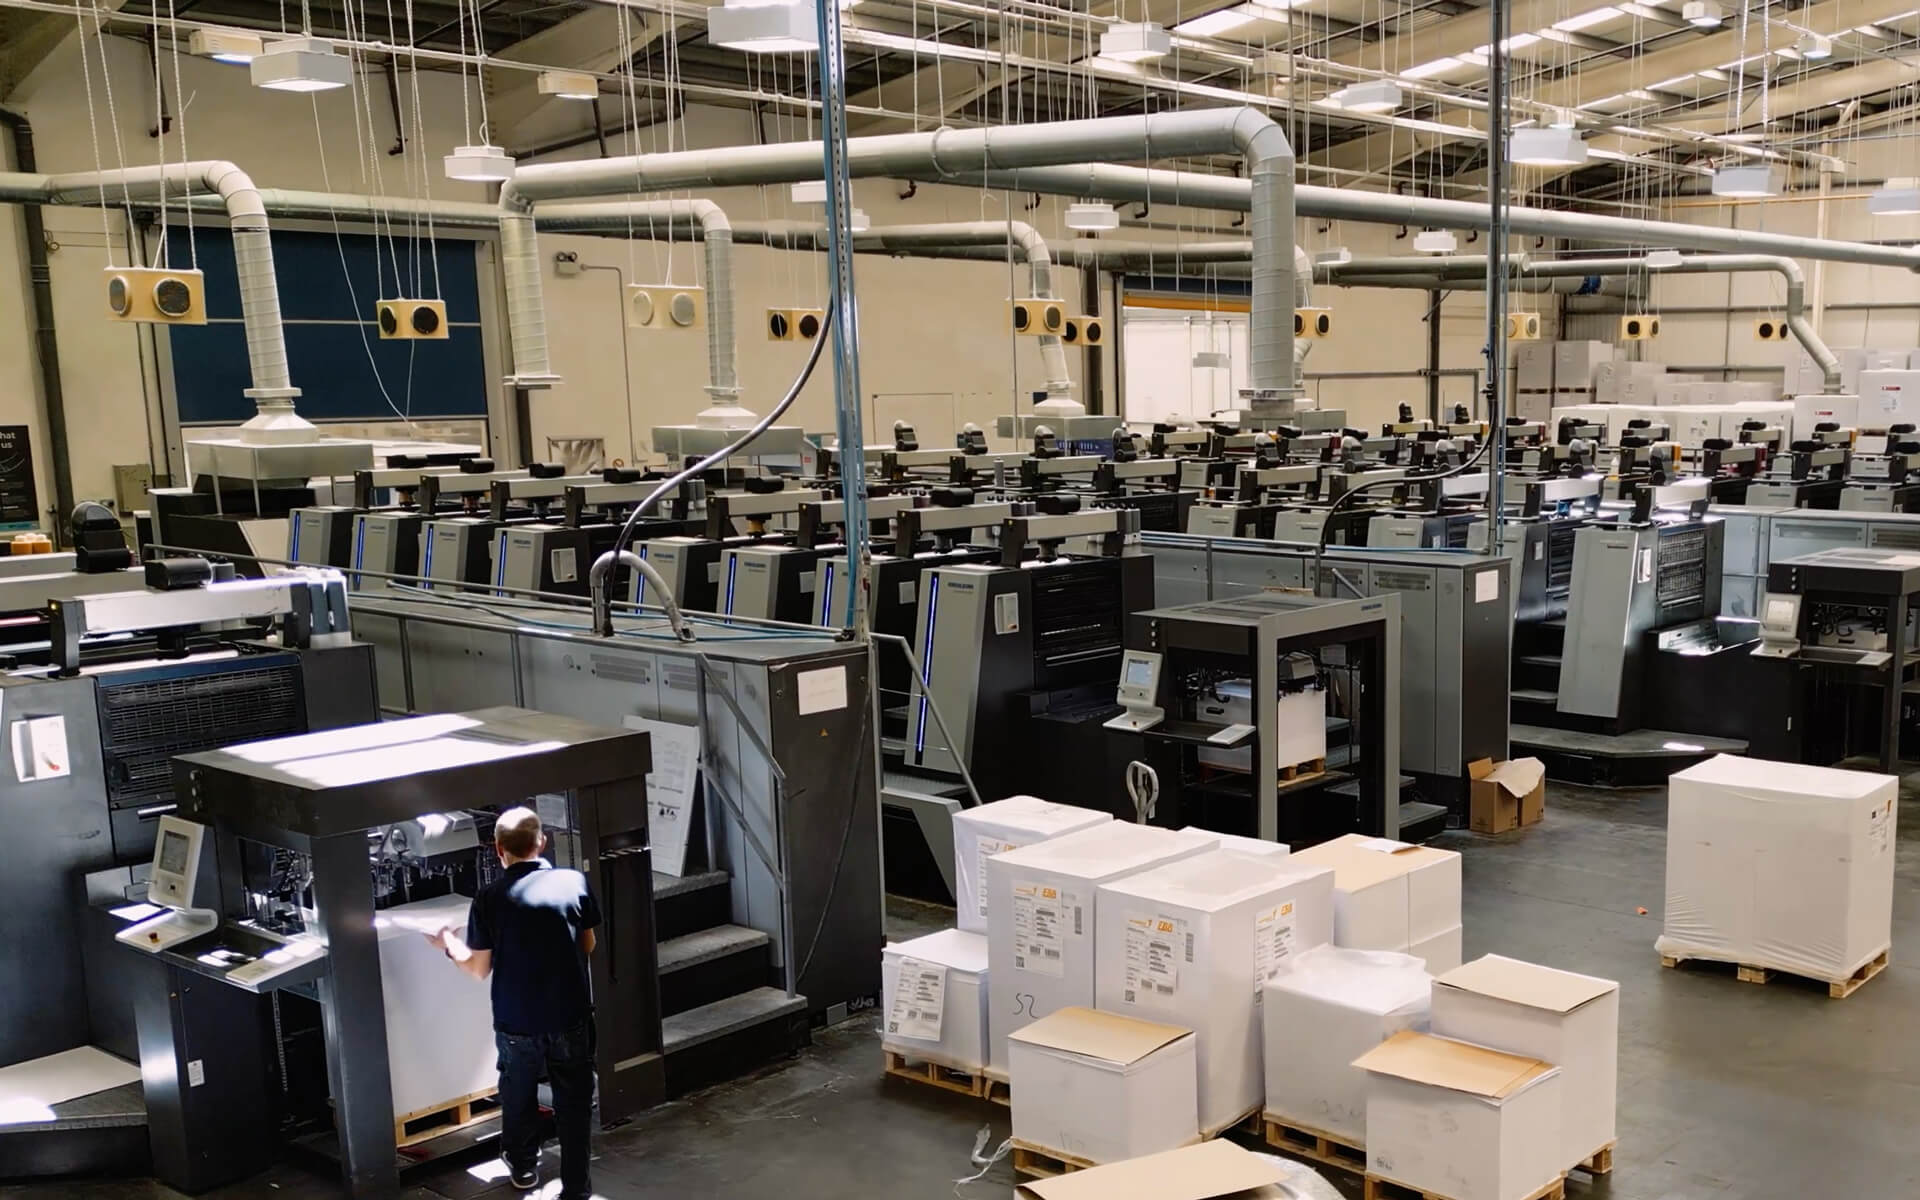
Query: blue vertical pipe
pixel 845 324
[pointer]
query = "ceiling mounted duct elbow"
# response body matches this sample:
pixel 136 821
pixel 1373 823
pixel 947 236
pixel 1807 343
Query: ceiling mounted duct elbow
pixel 301 64
pixel 1758 179
pixel 762 28
pixel 1092 215
pixel 1136 41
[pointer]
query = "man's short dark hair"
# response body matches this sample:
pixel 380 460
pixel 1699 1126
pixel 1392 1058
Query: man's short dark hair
pixel 517 831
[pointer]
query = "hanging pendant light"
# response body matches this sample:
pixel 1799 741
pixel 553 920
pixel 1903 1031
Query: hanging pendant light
pixel 301 64
pixel 1757 179
pixel 763 28
pixel 225 45
pixel 1435 241
pixel 569 85
pixel 857 221
pixel 1136 41
pixel 1546 146
pixel 1373 96
pixel 1092 215
pixel 1215 359
pixel 808 191
pixel 1895 198
pixel 479 164
pixel 1661 260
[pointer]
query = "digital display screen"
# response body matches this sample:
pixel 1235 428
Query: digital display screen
pixel 1779 612
pixel 173 852
pixel 1139 672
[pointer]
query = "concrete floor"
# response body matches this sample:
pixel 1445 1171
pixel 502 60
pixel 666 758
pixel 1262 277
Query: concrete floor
pixel 1726 1089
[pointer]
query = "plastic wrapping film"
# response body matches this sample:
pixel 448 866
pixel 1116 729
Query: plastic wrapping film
pixel 1301 1180
pixel 1779 865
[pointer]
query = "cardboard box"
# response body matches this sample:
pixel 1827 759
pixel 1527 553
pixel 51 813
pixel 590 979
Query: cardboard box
pixel 1575 363
pixel 1572 1021
pixel 1103 1087
pixel 1779 865
pixel 1440 952
pixel 1388 895
pixel 1510 795
pixel 1040 918
pixel 941 1014
pixel 1209 1171
pixel 1533 366
pixel 981 832
pixel 1191 944
pixel 439 1021
pixel 1817 409
pixel 1461 1121
pixel 1234 843
pixel 1889 397
pixel 1322 1011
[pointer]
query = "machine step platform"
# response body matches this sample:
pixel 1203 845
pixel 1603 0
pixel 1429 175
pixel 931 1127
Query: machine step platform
pixel 1642 758
pixel 728 1038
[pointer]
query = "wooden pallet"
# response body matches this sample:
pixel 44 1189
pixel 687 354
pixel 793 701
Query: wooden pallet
pixel 1386 1189
pixel 1304 1141
pixel 999 1091
pixel 1029 1159
pixel 1247 1123
pixel 1838 989
pixel 939 1075
pixel 1313 766
pixel 412 1128
pixel 1600 1162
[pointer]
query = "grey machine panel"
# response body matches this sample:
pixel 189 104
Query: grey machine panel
pixel 1627 582
pixel 956 606
pixel 451 660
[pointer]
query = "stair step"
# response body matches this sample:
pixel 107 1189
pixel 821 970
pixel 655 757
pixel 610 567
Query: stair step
pixel 709 1022
pixel 670 885
pixel 1420 821
pixel 1541 660
pixel 691 903
pixel 1535 696
pixel 708 945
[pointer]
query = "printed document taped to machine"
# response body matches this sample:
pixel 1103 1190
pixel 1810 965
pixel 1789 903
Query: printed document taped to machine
pixel 670 788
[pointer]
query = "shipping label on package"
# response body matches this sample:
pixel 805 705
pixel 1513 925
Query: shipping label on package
pixel 1272 943
pixel 1156 948
pixel 1880 828
pixel 988 848
pixel 1042 918
pixel 919 1000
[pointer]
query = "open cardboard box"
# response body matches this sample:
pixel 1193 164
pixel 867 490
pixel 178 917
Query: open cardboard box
pixel 1508 795
pixel 1200 1172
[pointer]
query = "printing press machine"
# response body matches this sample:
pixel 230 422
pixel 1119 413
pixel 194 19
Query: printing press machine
pixel 1884 472
pixel 128 679
pixel 1811 474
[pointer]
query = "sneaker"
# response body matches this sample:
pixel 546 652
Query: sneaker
pixel 526 1180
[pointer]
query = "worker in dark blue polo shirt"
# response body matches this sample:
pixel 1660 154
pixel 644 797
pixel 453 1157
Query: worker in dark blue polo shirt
pixel 532 930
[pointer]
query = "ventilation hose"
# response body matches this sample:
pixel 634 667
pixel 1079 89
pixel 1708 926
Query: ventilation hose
pixel 598 579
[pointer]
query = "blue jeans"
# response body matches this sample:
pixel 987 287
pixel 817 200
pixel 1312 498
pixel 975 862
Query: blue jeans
pixel 566 1060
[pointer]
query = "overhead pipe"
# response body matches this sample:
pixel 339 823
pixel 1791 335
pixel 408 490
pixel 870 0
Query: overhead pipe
pixel 1456 270
pixel 272 392
pixel 948 154
pixel 1231 194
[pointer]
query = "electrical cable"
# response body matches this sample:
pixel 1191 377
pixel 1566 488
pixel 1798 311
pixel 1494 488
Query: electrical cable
pixel 1326 526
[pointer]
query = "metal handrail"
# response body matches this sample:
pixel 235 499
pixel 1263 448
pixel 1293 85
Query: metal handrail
pixel 933 706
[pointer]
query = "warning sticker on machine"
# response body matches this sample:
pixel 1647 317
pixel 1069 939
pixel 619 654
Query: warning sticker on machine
pixel 1156 947
pixel 1272 943
pixel 1042 918
pixel 988 848
pixel 919 1000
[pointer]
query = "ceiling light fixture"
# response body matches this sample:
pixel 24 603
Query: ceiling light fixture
pixel 1661 260
pixel 1760 179
pixel 225 45
pixel 1546 146
pixel 1215 359
pixel 1814 46
pixel 1373 96
pixel 1895 198
pixel 761 28
pixel 857 221
pixel 1705 14
pixel 479 164
pixel 301 64
pixel 1435 241
pixel 1136 41
pixel 569 85
pixel 1091 214
pixel 808 191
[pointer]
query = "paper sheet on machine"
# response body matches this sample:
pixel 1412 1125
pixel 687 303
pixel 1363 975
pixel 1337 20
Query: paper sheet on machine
pixel 670 785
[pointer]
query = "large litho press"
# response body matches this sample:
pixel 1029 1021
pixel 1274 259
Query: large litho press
pixel 310 837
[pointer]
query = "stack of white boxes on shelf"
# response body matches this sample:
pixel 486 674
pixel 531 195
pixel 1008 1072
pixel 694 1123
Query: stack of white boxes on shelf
pixel 1390 895
pixel 1191 944
pixel 1042 909
pixel 1889 397
pixel 1575 365
pixel 1781 866
pixel 1452 1119
pixel 1533 380
pixel 1626 381
pixel 1804 377
pixel 1322 1011
pixel 983 831
pixel 1571 1021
